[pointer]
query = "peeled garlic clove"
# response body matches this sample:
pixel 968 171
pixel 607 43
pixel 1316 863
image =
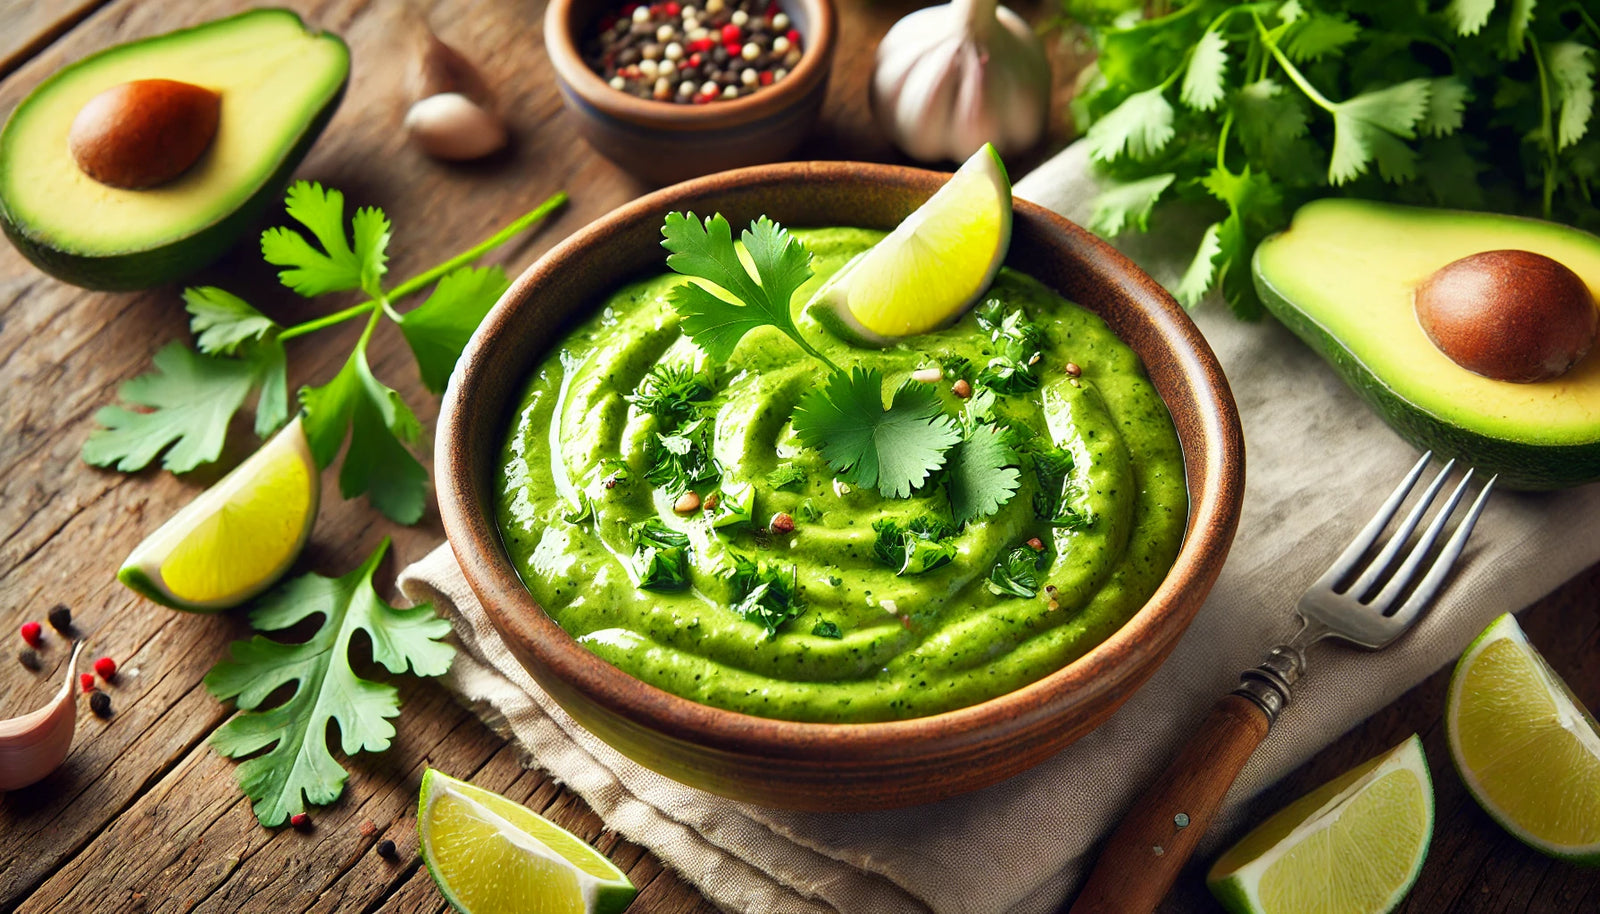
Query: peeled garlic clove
pixel 35 744
pixel 452 126
pixel 440 68
pixel 950 78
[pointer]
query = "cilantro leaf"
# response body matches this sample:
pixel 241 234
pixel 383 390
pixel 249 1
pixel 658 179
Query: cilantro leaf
pixel 222 321
pixel 918 546
pixel 1517 27
pixel 1204 79
pixel 1447 100
pixel 377 463
pixel 1319 35
pixel 1017 573
pixel 336 267
pixel 765 593
pixel 439 328
pixel 1571 67
pixel 1127 203
pixel 190 399
pixel 827 629
pixel 1370 125
pixel 894 449
pixel 1197 279
pixel 706 250
pixel 1141 127
pixel 1469 16
pixel 671 393
pixel 271 366
pixel 786 475
pixel 299 767
pixel 983 474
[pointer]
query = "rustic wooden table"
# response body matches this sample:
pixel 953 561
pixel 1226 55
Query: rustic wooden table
pixel 144 816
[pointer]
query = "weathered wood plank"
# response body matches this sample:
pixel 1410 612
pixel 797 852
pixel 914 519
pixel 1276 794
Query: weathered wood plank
pixel 27 26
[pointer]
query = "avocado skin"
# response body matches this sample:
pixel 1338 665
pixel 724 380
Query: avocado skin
pixel 1519 465
pixel 158 266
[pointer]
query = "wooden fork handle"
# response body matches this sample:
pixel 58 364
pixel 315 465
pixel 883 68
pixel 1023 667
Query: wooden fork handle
pixel 1154 840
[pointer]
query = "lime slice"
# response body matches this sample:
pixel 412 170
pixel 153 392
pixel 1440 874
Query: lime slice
pixel 238 537
pixel 1352 846
pixel 1525 747
pixel 932 267
pixel 489 855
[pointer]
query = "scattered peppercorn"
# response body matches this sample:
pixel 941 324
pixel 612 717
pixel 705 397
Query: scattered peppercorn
pixel 961 388
pixel 100 704
pixel 29 658
pixel 33 633
pixel 687 503
pixel 681 54
pixel 61 619
pixel 1073 369
pixel 86 681
pixel 300 820
pixel 781 523
pixel 1036 544
pixel 106 668
pixel 386 849
pixel 367 829
pixel 712 501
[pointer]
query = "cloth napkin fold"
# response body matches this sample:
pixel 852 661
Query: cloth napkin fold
pixel 1319 463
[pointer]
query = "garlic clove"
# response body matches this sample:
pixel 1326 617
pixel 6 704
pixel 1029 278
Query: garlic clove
pixel 451 126
pixel 35 744
pixel 440 68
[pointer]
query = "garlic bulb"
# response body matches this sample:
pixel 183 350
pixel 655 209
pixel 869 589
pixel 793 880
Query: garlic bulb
pixel 35 744
pixel 950 78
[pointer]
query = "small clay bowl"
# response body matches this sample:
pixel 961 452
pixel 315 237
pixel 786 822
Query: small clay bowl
pixel 662 142
pixel 818 766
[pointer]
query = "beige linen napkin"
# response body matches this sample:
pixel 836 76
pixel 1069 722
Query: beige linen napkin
pixel 1319 464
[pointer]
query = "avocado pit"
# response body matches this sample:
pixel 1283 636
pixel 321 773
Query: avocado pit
pixel 144 133
pixel 1509 315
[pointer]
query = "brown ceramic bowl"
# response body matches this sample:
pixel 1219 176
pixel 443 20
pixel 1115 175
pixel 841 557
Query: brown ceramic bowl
pixel 662 142
pixel 810 765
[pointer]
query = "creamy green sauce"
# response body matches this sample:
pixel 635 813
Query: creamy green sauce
pixel 911 645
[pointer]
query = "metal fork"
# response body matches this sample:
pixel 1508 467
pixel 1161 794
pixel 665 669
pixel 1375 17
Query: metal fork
pixel 1154 840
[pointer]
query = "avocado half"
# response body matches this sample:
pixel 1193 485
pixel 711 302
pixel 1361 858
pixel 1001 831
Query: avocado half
pixel 280 82
pixel 1342 277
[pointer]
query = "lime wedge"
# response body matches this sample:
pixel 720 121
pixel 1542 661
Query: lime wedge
pixel 932 267
pixel 1525 747
pixel 489 855
pixel 238 537
pixel 1352 846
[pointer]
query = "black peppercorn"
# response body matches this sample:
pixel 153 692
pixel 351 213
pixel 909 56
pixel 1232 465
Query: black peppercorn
pixel 61 619
pixel 100 704
pixel 386 849
pixel 29 658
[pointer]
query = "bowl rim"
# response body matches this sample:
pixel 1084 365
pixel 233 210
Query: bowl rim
pixel 562 47
pixel 1118 664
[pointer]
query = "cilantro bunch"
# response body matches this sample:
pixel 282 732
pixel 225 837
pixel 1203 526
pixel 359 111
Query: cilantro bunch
pixel 181 410
pixel 1252 108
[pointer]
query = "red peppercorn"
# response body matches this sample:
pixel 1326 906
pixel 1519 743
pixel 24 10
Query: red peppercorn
pixel 782 523
pixel 671 8
pixel 696 59
pixel 793 35
pixel 731 34
pixel 1036 544
pixel 766 77
pixel 106 667
pixel 300 820
pixel 87 682
pixel 33 633
pixel 702 44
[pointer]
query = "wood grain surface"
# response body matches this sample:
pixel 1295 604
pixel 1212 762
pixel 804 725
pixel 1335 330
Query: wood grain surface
pixel 144 816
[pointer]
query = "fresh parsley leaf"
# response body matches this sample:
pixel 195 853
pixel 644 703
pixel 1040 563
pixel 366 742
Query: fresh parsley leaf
pixel 299 767
pixel 706 250
pixel 787 475
pixel 439 328
pixel 916 547
pixel 1140 127
pixel 893 449
pixel 1017 573
pixel 188 401
pixel 1571 67
pixel 827 629
pixel 671 393
pixel 336 267
pixel 222 321
pixel 1127 204
pixel 1204 79
pixel 765 593
pixel 983 475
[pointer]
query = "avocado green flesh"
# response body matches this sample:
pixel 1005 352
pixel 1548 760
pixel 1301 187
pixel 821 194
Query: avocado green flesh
pixel 911 645
pixel 1342 277
pixel 279 84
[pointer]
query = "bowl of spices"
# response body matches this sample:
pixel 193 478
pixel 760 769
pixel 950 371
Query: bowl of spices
pixel 679 88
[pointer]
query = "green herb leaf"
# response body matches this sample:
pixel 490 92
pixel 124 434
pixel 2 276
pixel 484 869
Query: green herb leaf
pixel 671 394
pixel 680 461
pixel 334 268
pixel 1205 76
pixel 299 767
pixel 221 321
pixel 377 463
pixel 1197 279
pixel 271 366
pixel 371 230
pixel 1447 101
pixel 916 547
pixel 735 507
pixel 189 399
pixel 1017 573
pixel 894 449
pixel 1371 125
pixel 787 475
pixel 982 475
pixel 1140 127
pixel 439 328
pixel 765 593
pixel 1127 204
pixel 1319 35
pixel 1571 67
pixel 1469 16
pixel 1517 26
pixel 827 629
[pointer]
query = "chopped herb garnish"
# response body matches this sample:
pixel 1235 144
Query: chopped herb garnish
pixel 826 629
pixel 809 511
pixel 922 544
pixel 787 475
pixel 682 459
pixel 613 471
pixel 1017 573
pixel 1070 511
pixel 653 531
pixel 1014 370
pixel 671 393
pixel 765 593
pixel 662 567
pixel 736 505
pixel 581 512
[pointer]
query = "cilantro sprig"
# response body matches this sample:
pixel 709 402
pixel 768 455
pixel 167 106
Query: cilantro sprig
pixel 297 766
pixel 181 410
pixel 1252 108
